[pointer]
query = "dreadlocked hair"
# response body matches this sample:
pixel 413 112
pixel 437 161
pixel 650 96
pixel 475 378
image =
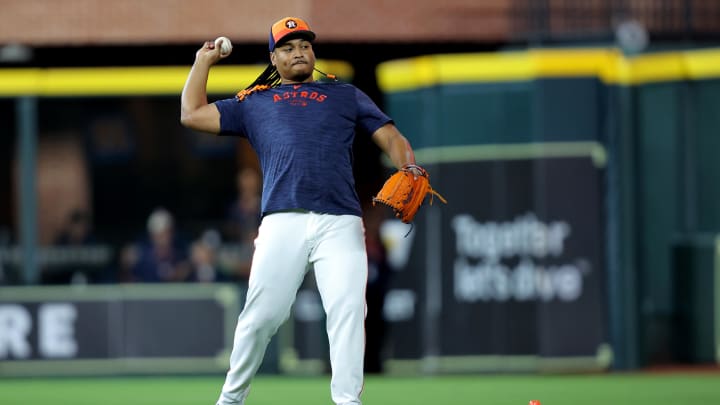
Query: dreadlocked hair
pixel 268 79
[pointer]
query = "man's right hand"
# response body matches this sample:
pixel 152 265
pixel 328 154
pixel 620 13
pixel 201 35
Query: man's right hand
pixel 209 54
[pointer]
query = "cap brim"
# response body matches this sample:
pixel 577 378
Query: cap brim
pixel 309 35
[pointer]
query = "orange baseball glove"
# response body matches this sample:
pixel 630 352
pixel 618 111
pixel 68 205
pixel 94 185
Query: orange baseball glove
pixel 405 191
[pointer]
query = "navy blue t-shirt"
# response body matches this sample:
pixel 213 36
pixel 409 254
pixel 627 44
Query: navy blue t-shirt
pixel 303 136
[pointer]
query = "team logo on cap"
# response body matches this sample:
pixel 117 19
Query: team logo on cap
pixel 291 24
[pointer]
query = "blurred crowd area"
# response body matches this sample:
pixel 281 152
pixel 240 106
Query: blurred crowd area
pixel 161 246
pixel 126 194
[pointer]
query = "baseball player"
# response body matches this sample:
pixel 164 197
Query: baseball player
pixel 302 132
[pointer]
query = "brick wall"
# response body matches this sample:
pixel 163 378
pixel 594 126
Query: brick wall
pixel 160 22
pixel 91 22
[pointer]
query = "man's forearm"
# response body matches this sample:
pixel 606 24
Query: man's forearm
pixel 194 94
pixel 400 152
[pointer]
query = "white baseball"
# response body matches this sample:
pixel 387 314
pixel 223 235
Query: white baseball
pixel 225 47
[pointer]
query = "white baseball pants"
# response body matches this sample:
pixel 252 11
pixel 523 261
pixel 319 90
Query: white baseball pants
pixel 287 245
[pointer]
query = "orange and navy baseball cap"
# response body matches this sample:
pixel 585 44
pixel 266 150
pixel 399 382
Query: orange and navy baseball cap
pixel 288 28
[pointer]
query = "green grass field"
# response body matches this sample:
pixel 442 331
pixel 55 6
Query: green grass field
pixel 606 389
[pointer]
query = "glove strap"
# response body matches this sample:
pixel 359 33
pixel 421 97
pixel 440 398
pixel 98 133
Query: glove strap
pixel 436 194
pixel 409 167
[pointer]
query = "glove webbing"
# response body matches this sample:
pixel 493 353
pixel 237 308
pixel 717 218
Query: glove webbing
pixel 424 173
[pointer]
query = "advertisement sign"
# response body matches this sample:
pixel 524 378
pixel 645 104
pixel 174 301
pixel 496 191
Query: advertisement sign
pixel 520 275
pixel 116 329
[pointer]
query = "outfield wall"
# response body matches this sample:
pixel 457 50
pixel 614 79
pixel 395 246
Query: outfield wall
pixel 616 154
pixel 116 330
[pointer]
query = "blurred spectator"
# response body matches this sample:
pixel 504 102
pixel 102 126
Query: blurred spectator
pixel 243 215
pixel 77 231
pixel 162 255
pixel 377 285
pixel 241 224
pixel 206 266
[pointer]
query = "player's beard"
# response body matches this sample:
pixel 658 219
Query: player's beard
pixel 301 75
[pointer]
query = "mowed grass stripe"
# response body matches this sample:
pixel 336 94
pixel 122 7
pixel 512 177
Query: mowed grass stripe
pixel 602 389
